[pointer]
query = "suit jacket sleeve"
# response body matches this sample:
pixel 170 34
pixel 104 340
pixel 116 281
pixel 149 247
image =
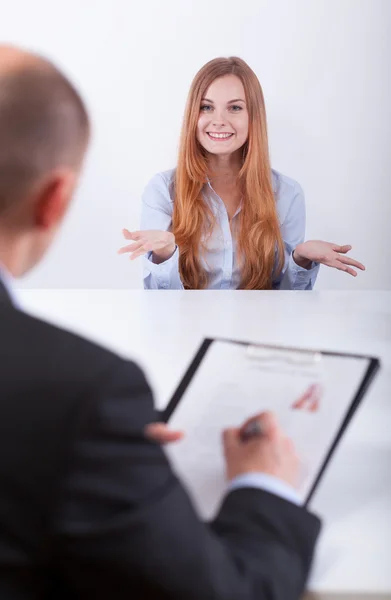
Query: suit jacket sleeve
pixel 124 525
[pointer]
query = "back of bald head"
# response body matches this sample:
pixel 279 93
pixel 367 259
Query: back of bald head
pixel 44 124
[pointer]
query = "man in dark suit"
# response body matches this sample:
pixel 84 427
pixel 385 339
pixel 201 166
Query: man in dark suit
pixel 89 506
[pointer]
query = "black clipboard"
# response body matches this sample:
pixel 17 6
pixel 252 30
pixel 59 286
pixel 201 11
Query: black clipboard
pixel 373 367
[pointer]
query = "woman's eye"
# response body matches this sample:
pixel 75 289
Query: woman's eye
pixel 236 108
pixel 206 108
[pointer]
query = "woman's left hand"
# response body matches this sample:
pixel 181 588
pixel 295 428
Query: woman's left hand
pixel 327 254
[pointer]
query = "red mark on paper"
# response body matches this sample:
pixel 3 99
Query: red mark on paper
pixel 310 400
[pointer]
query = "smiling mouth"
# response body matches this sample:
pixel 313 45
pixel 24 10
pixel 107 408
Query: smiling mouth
pixel 219 137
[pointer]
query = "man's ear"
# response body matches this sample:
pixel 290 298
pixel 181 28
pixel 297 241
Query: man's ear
pixel 53 198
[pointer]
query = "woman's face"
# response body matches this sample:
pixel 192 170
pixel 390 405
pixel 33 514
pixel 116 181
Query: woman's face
pixel 223 121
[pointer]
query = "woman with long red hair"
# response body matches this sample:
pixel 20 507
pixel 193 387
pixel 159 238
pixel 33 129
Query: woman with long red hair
pixel 223 219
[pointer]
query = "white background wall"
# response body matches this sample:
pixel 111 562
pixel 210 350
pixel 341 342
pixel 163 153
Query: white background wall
pixel 325 67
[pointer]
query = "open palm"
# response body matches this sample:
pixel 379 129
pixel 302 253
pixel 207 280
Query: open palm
pixel 329 254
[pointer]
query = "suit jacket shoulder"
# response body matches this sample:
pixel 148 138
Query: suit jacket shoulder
pixel 39 350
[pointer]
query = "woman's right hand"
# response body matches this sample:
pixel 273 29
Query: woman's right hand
pixel 161 243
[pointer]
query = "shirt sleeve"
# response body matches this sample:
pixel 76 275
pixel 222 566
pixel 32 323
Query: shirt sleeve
pixel 294 277
pixel 268 483
pixel 156 213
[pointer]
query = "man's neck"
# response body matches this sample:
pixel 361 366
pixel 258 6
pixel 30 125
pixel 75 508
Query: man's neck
pixel 9 268
pixel 8 253
pixel 4 267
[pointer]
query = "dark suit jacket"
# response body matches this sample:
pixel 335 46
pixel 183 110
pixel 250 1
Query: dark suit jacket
pixel 90 509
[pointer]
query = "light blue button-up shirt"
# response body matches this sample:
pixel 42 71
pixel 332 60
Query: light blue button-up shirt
pixel 220 260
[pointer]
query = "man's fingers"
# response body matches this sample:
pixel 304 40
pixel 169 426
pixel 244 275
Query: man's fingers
pixel 267 422
pixel 162 434
pixel 230 438
pixel 289 445
pixel 269 425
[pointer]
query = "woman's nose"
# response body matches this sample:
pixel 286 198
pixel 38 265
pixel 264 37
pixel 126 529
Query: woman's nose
pixel 218 120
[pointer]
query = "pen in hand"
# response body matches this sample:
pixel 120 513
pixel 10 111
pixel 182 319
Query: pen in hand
pixel 251 430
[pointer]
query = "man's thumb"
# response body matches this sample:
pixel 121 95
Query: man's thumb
pixel 230 438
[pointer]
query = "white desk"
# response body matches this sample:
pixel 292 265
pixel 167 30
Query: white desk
pixel 162 331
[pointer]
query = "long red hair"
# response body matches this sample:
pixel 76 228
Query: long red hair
pixel 259 236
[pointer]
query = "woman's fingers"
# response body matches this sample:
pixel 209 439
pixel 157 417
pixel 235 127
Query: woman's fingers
pixel 130 247
pixel 132 235
pixel 342 267
pixel 342 249
pixel 350 261
pixel 142 250
pixel 138 248
pixel 343 263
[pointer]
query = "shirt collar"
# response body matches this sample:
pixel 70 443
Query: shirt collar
pixel 8 282
pixel 220 204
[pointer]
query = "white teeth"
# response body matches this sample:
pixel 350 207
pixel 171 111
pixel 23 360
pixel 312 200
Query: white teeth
pixel 220 135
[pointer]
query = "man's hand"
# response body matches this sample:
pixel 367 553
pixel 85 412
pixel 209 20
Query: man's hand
pixel 162 434
pixel 271 452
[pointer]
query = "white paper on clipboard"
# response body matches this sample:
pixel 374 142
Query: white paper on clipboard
pixel 235 381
